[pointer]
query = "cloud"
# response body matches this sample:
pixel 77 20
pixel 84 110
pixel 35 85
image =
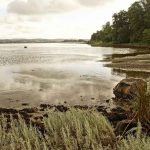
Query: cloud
pixel 31 7
pixel 21 23
pixel 91 3
pixel 20 7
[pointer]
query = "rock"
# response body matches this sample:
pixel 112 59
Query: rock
pixel 45 115
pixel 29 110
pixel 102 109
pixel 25 104
pixel 45 106
pixel 65 102
pixel 116 117
pixel 42 109
pixel 61 108
pixel 118 110
pixel 25 114
pixel 81 107
pixel 107 101
pixel 125 126
pixel 129 89
pixel 8 111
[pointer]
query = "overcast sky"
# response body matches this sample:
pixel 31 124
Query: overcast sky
pixel 56 18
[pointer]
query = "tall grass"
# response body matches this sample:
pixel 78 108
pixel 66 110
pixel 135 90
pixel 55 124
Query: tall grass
pixel 70 131
pixel 137 142
pixel 134 143
pixel 73 130
pixel 141 107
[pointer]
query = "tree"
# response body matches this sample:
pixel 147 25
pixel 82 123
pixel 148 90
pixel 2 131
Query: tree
pixel 136 20
pixel 97 36
pixel 146 36
pixel 120 26
pixel 107 33
pixel 104 35
pixel 130 26
pixel 146 6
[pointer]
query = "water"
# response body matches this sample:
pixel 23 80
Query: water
pixel 55 73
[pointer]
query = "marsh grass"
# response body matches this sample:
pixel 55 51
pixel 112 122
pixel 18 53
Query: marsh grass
pixel 137 142
pixel 141 107
pixel 70 130
pixel 134 143
pixel 73 130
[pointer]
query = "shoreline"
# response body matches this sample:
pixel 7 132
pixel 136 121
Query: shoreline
pixel 126 45
pixel 54 127
pixel 115 120
pixel 35 115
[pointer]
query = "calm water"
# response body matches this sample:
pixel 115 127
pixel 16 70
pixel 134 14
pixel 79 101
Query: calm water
pixel 54 73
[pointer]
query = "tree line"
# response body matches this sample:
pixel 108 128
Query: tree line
pixel 132 26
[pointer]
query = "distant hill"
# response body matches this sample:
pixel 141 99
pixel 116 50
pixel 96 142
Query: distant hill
pixel 5 41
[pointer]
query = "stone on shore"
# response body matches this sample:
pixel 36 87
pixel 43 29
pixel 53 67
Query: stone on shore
pixel 130 89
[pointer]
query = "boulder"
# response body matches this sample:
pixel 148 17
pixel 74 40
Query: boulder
pixel 130 89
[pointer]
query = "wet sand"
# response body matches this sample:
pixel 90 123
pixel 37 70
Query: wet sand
pixel 139 60
pixel 135 64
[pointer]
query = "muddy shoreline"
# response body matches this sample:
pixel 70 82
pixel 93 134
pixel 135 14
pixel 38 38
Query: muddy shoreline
pixel 35 115
pixel 135 64
pixel 121 119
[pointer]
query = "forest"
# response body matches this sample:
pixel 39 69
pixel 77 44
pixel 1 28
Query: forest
pixel 131 26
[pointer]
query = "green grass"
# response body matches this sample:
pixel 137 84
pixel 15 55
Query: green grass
pixel 73 130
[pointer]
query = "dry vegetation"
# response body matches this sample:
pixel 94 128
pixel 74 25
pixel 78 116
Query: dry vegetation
pixel 73 130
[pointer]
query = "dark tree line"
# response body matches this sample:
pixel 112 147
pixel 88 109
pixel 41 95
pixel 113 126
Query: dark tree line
pixel 132 26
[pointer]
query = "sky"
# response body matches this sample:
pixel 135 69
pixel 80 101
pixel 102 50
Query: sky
pixel 56 19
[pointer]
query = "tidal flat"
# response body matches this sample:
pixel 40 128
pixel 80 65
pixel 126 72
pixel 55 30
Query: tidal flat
pixel 60 73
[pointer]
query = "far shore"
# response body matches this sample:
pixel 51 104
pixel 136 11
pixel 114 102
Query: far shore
pixel 124 45
pixel 22 41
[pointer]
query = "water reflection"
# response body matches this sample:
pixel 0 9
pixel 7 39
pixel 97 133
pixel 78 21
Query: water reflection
pixel 54 73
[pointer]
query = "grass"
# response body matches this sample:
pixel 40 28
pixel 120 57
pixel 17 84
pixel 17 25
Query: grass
pixel 134 143
pixel 73 130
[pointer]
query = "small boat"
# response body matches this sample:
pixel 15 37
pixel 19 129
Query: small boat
pixel 25 47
